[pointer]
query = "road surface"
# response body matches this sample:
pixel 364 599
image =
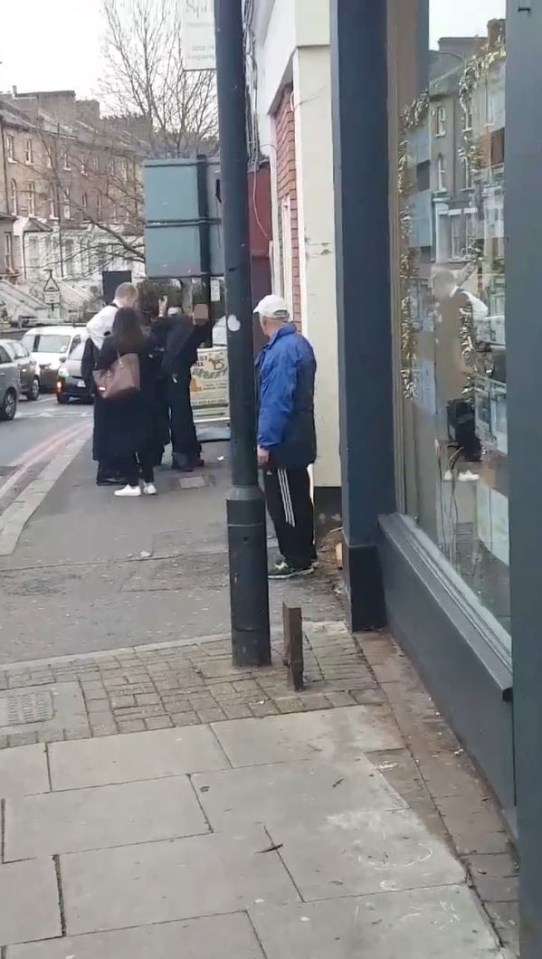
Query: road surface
pixel 36 428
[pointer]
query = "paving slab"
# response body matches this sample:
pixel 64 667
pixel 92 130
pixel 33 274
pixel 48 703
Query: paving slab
pixel 358 853
pixel 29 908
pixel 286 793
pixel 228 936
pixel 23 771
pixel 167 881
pixel 422 924
pixel 101 817
pixel 326 734
pixel 119 759
pixel 43 709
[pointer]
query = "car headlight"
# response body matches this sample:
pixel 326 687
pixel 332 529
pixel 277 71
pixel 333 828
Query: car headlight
pixel 62 374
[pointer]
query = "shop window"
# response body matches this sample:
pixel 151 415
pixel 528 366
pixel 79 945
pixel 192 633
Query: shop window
pixel 450 302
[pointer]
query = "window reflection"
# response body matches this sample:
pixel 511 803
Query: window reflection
pixel 452 294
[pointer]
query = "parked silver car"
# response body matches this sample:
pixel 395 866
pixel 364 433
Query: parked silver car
pixel 10 385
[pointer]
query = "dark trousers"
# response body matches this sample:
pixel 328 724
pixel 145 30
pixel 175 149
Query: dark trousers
pixel 136 463
pixel 184 439
pixel 289 503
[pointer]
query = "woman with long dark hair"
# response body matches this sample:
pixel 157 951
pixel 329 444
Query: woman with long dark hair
pixel 124 430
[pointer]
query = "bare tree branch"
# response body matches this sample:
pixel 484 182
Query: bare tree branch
pixel 145 77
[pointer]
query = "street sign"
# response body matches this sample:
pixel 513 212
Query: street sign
pixel 198 34
pixel 51 291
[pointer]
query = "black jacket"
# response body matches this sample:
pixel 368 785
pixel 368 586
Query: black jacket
pixel 124 426
pixel 176 340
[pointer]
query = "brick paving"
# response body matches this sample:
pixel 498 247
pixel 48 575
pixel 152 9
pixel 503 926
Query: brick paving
pixel 177 685
pixel 146 688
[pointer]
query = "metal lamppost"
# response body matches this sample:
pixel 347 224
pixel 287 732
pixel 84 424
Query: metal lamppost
pixel 247 539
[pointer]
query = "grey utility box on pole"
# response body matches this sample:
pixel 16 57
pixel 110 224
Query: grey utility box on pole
pixel 182 217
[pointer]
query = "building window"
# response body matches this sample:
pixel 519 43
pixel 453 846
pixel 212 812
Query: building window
pixel 67 205
pixel 31 198
pixel 10 148
pixel 449 311
pixel 102 251
pixel 471 232
pixel 84 203
pixel 84 167
pixel 457 247
pixel 8 252
pixel 33 253
pixel 99 204
pixel 440 121
pixel 69 257
pixel 441 174
pixel 67 164
pixel 52 204
pixel 14 196
pixel 29 153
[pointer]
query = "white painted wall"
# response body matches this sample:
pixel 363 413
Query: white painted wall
pixel 292 45
pixel 316 214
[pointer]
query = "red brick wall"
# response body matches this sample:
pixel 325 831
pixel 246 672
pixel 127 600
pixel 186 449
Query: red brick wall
pixel 287 187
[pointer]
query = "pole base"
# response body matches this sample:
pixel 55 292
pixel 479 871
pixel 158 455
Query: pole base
pixel 249 587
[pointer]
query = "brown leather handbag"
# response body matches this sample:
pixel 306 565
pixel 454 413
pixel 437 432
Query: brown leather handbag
pixel 122 379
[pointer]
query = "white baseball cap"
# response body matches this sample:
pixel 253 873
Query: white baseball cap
pixel 273 306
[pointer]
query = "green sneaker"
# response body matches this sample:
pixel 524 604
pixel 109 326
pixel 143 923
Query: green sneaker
pixel 283 570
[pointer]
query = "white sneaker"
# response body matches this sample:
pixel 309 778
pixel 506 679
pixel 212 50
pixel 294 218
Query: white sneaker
pixel 468 477
pixel 149 489
pixel 128 491
pixel 448 476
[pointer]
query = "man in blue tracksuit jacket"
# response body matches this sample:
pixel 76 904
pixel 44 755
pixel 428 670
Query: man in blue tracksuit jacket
pixel 286 370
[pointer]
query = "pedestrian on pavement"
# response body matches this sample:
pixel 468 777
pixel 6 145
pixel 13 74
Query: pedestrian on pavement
pixel 153 311
pixel 286 370
pixel 183 336
pixel 124 426
pixel 98 328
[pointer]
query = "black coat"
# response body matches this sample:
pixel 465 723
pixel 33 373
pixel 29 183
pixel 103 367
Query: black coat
pixel 176 340
pixel 124 426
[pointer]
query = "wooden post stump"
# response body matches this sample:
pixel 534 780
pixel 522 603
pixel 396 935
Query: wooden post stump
pixel 293 644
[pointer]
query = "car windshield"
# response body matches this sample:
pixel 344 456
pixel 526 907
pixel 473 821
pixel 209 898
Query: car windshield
pixel 51 343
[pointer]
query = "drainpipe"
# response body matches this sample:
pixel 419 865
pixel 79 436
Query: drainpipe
pixel 4 160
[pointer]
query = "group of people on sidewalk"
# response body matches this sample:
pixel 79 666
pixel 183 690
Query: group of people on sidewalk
pixel 132 430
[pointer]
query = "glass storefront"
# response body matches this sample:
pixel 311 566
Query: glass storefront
pixel 447 65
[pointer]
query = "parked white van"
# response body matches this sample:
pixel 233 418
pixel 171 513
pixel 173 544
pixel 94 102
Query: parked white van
pixel 49 347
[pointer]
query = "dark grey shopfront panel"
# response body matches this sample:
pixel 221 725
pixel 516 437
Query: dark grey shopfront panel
pixel 523 217
pixel 438 624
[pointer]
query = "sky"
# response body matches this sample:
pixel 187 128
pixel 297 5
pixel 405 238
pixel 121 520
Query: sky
pixel 462 18
pixel 52 45
pixel 56 44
